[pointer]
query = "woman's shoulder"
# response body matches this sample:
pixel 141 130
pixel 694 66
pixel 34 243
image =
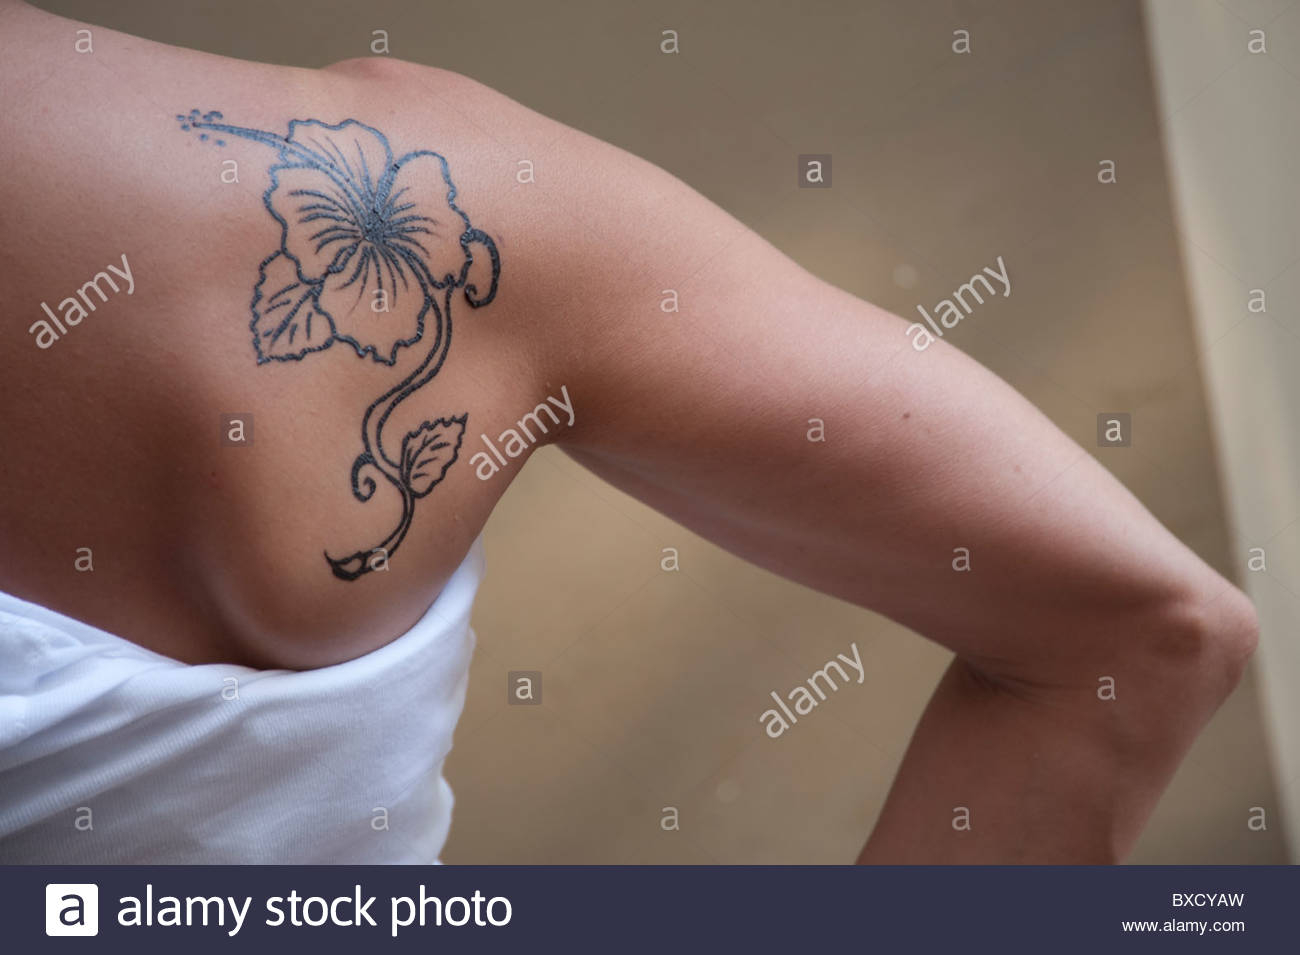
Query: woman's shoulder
pixel 259 318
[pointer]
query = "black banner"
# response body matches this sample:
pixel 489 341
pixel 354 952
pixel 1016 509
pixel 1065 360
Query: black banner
pixel 665 910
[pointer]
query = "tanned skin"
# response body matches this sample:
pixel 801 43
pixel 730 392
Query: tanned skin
pixel 206 552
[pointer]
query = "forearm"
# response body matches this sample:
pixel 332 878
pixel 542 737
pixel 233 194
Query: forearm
pixel 1048 775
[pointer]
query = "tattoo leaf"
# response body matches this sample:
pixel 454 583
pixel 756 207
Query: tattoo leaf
pixel 429 450
pixel 287 320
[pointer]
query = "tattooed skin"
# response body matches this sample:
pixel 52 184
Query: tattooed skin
pixel 365 261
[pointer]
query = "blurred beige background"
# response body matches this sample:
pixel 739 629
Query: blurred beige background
pixel 653 680
pixel 1228 78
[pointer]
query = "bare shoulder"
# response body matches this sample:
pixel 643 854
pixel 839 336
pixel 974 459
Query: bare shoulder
pixel 388 69
pixel 318 305
pixel 403 279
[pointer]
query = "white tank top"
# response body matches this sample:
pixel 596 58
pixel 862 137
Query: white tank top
pixel 111 753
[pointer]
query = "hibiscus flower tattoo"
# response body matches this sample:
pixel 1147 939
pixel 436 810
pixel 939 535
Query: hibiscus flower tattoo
pixel 366 259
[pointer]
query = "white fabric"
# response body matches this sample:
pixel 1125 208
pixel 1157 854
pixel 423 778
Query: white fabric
pixel 301 768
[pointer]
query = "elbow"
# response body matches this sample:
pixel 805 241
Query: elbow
pixel 1200 649
pixel 1226 628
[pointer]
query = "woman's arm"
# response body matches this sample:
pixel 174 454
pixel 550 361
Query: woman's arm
pixel 799 427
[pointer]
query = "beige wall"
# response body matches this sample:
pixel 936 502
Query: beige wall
pixel 653 680
pixel 1233 133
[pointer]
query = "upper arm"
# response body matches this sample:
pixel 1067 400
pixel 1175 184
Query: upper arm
pixel 797 426
pixel 783 418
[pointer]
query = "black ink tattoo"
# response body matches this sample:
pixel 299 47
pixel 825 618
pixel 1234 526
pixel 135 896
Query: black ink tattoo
pixel 353 238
